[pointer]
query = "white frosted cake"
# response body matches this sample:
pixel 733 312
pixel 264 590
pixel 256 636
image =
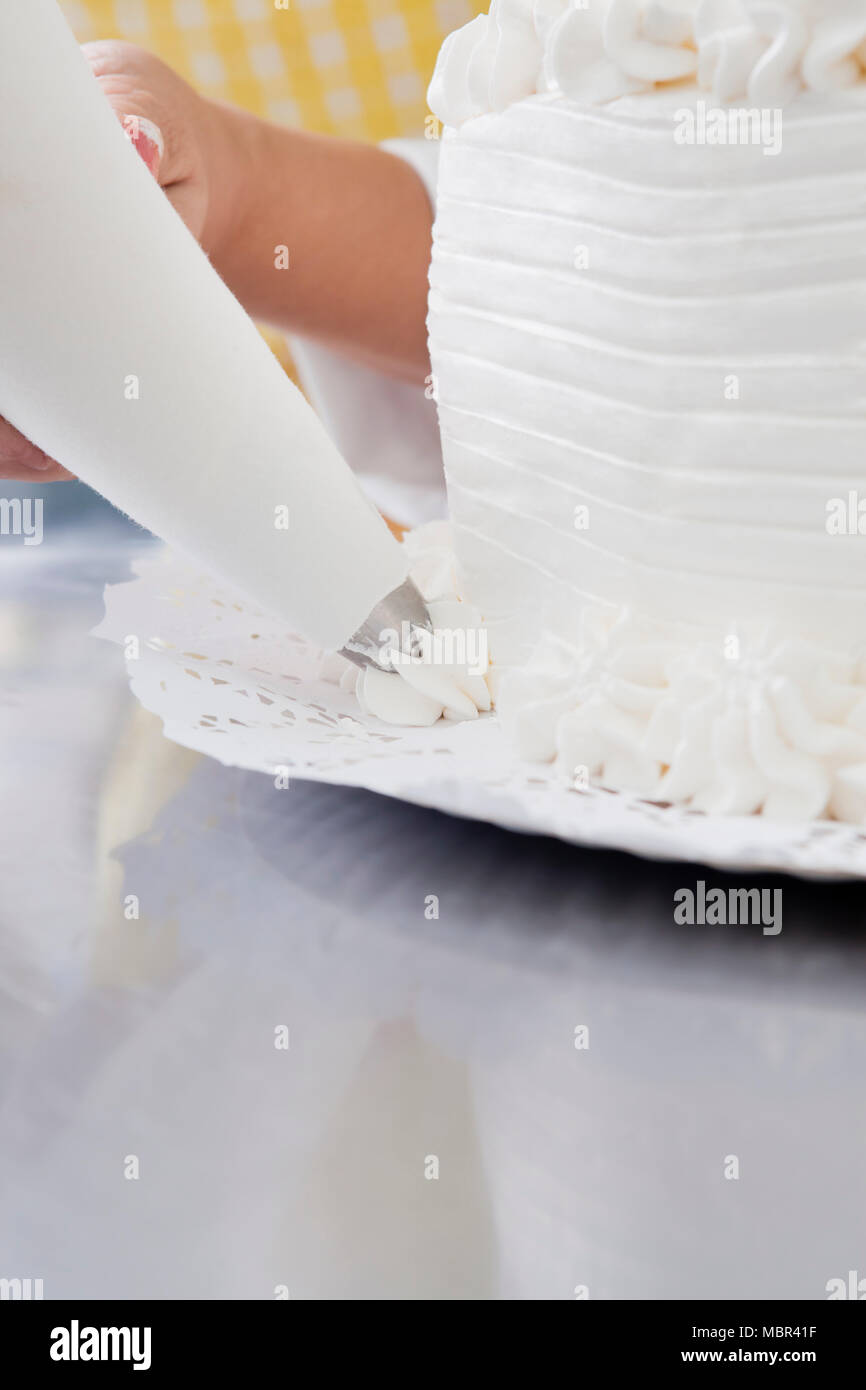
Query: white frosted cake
pixel 648 335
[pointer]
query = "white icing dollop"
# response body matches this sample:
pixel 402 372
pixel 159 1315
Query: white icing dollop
pixel 423 691
pixel 750 723
pixel 594 51
pixel 775 727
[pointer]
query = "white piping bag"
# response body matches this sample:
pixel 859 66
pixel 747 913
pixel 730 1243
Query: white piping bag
pixel 125 357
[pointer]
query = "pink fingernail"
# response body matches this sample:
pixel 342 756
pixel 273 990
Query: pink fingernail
pixel 41 464
pixel 147 139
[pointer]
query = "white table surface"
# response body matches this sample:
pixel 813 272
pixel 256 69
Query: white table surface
pixel 408 1037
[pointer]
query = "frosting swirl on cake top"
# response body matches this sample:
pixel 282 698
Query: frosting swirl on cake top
pixel 764 52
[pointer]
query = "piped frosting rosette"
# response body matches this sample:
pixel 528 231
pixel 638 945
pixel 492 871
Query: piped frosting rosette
pixel 740 722
pixel 594 51
pixel 447 681
pixel 736 724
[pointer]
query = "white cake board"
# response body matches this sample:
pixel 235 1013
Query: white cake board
pixel 226 680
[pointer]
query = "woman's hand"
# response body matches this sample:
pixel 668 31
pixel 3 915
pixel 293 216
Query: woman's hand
pixel 356 220
pixel 184 142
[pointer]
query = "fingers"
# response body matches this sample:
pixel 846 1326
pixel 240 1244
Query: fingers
pixel 144 94
pixel 147 140
pixel 22 461
pixel 162 115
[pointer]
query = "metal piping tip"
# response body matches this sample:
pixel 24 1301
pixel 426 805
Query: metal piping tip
pixel 402 612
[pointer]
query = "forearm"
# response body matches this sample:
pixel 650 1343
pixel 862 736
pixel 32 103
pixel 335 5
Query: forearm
pixel 356 222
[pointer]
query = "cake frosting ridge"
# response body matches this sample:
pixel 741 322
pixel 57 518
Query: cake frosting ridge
pixel 765 51
pixel 649 348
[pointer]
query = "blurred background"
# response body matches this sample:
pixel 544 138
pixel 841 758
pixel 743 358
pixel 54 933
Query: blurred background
pixel 355 68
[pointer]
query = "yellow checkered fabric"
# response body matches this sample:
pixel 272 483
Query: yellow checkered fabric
pixel 356 68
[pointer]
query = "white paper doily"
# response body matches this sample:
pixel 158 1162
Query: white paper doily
pixel 228 681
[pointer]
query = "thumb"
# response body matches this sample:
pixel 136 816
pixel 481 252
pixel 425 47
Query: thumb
pixel 146 138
